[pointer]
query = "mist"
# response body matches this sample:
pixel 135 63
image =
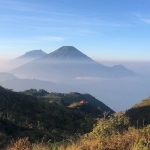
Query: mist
pixel 3 66
pixel 119 93
pixel 142 68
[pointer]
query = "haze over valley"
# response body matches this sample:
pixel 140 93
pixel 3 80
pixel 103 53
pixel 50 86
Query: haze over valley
pixel 67 69
pixel 101 48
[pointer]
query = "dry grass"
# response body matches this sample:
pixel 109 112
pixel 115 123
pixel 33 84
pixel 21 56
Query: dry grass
pixel 112 134
pixel 133 139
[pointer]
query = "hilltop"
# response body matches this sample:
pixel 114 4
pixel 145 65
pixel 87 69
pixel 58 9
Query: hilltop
pixel 69 98
pixel 140 113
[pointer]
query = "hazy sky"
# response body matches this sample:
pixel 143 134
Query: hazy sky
pixel 102 29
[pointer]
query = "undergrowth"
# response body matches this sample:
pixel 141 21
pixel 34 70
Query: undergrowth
pixel 114 133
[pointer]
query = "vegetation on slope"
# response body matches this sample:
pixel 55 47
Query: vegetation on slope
pixel 58 124
pixel 140 113
pixel 69 98
pixel 108 134
pixel 23 115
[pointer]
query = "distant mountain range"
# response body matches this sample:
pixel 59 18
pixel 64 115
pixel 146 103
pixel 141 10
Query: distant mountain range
pixel 23 84
pixel 68 63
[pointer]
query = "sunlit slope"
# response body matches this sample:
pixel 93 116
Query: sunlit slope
pixel 70 98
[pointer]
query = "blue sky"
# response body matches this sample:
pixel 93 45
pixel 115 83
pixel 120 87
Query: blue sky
pixel 102 29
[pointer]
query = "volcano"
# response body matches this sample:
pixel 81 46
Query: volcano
pixel 67 63
pixel 25 58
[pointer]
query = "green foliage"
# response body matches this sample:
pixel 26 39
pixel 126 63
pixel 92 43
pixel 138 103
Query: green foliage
pixel 112 126
pixel 140 114
pixel 86 108
pixel 72 100
pixel 24 115
pixel 59 122
pixel 111 134
pixel 34 92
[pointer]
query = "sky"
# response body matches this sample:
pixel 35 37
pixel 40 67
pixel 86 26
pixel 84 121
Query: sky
pixel 116 30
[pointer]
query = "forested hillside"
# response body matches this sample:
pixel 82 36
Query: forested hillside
pixel 58 121
pixel 140 113
pixel 24 115
pixel 69 98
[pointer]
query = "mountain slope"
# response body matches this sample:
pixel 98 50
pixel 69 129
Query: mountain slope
pixel 70 98
pixel 6 76
pixel 34 54
pixel 23 59
pixel 68 63
pixel 140 113
pixel 67 53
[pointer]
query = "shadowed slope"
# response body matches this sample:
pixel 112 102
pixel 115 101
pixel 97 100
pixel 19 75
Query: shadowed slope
pixel 140 113
pixel 23 115
pixel 70 98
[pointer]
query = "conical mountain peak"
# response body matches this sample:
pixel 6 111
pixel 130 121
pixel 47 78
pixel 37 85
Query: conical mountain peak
pixel 33 54
pixel 25 58
pixel 68 53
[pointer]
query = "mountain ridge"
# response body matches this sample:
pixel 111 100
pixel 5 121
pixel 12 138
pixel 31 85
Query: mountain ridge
pixel 68 63
pixel 32 54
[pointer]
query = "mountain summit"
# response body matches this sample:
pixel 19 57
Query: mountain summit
pixel 68 53
pixel 23 59
pixel 33 54
pixel 68 62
